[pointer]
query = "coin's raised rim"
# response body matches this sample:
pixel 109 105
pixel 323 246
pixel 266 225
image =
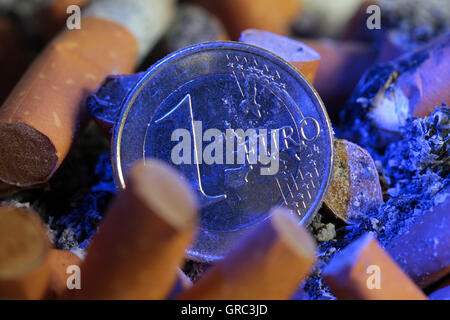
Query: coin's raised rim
pixel 210 46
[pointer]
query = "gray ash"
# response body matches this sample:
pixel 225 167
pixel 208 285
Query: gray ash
pixel 75 230
pixel 417 170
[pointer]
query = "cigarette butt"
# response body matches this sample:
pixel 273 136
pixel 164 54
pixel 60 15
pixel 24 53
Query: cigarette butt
pixel 239 15
pixel 341 66
pixel 39 119
pixel 424 250
pixel 42 115
pixel 269 264
pixel 355 182
pixel 193 25
pixel 441 294
pixel 141 242
pixel 24 249
pixel 59 262
pixel 305 59
pixel 51 17
pixel 364 271
pixel 419 83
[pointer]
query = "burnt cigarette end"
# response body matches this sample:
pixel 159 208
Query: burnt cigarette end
pixel 27 156
pixel 355 183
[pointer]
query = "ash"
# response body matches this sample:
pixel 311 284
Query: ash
pixel 416 169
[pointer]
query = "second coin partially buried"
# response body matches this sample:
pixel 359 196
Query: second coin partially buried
pixel 244 127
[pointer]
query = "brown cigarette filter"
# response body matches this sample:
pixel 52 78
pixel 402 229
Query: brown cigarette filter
pixel 238 15
pixel 424 250
pixel 305 59
pixel 269 264
pixel 42 115
pixel 364 271
pixel 140 244
pixel 40 118
pixel 355 182
pixel 24 250
pixel 59 262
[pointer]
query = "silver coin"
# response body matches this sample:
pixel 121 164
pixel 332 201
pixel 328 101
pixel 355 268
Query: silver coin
pixel 279 151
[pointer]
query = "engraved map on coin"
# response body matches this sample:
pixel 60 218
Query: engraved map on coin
pixel 242 125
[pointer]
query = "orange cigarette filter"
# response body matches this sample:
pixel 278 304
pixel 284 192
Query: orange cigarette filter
pixel 305 59
pixel 424 251
pixel 364 271
pixel 269 264
pixel 59 261
pixel 24 250
pixel 41 116
pixel 271 15
pixel 141 242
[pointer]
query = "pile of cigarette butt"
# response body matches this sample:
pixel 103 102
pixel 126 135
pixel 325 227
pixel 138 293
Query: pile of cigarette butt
pixel 387 211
